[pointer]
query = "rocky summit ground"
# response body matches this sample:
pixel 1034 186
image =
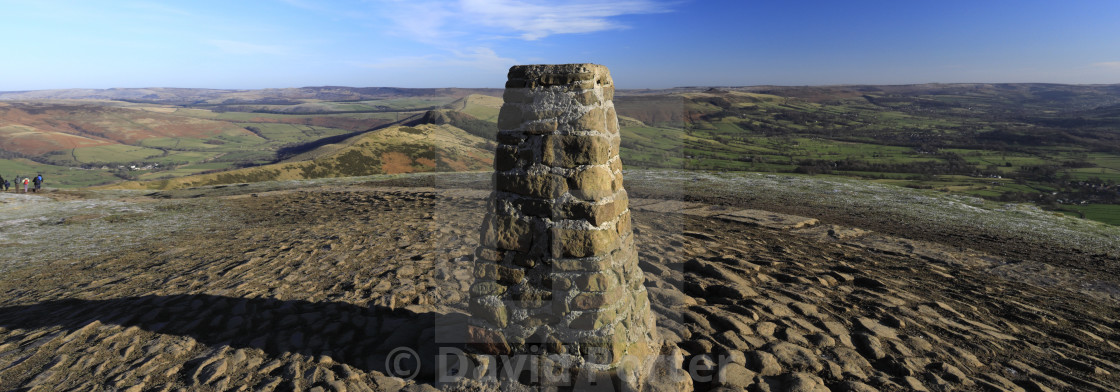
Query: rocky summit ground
pixel 311 287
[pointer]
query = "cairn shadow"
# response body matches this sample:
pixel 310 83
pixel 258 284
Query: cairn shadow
pixel 396 342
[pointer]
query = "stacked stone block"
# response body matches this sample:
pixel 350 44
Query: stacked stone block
pixel 556 274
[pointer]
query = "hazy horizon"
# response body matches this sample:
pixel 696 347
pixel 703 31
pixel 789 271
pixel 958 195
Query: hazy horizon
pixel 652 44
pixel 500 87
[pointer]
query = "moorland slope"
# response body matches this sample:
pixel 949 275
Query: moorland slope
pixel 1053 145
pixel 392 150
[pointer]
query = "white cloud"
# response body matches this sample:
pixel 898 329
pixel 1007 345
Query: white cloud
pixel 482 58
pixel 538 19
pixel 248 48
pixel 463 33
pixel 431 21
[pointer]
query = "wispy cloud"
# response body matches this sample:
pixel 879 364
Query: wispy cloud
pixel 248 48
pixel 440 21
pixel 478 58
pixel 525 19
pixel 538 19
pixel 468 33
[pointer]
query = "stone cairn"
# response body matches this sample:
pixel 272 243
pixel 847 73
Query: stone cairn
pixel 557 276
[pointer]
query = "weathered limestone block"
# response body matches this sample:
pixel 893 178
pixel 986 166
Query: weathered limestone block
pixel 557 267
pixel 570 151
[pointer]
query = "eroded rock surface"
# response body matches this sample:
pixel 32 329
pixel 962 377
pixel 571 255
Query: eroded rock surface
pixel 313 289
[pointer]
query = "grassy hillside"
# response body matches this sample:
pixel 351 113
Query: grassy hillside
pixel 54 176
pixel 482 107
pixel 37 128
pixel 1053 145
pixel 91 142
pixel 393 150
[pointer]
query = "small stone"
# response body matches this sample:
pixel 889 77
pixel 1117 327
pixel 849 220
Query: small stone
pixel 507 233
pixel 735 375
pixel 879 330
pixel 804 309
pixel 765 329
pixel 869 346
pixel 213 371
pixel 913 384
pixel 698 346
pixel 794 357
pixel 764 363
pixel 821 340
pixel 734 356
pixel 492 311
pixel 592 183
pixel 594 320
pixel 583 243
pixel 804 382
pixel 593 120
pixel 570 151
pixel 487 341
pixel 542 127
pixel 732 339
pixel 951 373
pixel 852 364
pixel 385 383
pixel 540 185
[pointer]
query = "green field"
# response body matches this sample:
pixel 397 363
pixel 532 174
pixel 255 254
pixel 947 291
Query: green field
pixel 1107 213
pixel 53 176
pixel 186 170
pixel 113 153
pixel 481 107
pixel 280 133
pixel 1002 143
pixel 729 146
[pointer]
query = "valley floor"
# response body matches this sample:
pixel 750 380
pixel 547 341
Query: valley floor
pixel 304 288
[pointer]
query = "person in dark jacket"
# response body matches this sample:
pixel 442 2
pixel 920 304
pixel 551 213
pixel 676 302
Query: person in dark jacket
pixel 38 180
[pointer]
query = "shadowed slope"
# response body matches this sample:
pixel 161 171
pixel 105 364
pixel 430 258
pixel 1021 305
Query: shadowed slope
pixel 346 333
pixel 393 150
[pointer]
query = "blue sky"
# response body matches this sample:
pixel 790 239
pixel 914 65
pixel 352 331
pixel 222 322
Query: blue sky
pixel 47 44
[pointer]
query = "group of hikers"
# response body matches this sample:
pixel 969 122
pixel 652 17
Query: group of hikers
pixel 32 184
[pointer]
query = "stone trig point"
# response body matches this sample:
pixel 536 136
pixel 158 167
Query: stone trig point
pixel 557 277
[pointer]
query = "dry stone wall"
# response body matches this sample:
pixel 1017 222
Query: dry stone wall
pixel 557 275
